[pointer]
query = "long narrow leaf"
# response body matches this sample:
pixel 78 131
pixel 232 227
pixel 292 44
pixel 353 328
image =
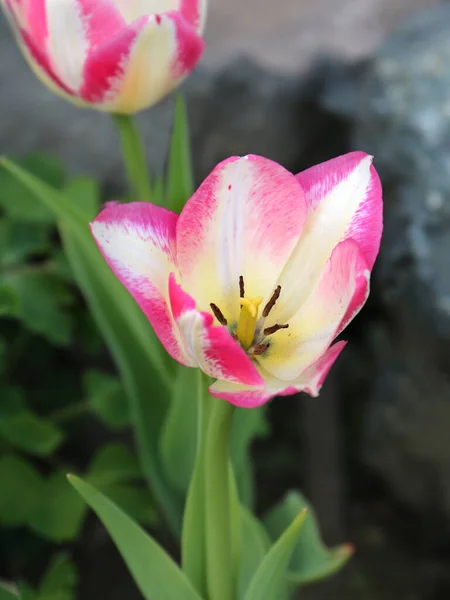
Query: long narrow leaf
pixel 155 573
pixel 145 390
pixel 254 545
pixel 6 594
pixel 127 332
pixel 269 581
pixel 193 539
pixel 178 444
pixel 179 173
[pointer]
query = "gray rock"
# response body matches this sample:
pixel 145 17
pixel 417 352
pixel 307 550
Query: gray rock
pixel 399 104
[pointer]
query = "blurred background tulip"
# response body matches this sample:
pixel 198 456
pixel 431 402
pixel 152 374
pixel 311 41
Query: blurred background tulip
pixel 116 56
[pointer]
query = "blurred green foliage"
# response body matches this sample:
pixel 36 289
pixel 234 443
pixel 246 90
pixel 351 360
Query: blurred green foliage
pixel 56 383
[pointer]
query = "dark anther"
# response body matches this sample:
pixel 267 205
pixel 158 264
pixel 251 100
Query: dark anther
pixel 260 349
pixel 218 314
pixel 241 286
pixel 268 307
pixel 274 328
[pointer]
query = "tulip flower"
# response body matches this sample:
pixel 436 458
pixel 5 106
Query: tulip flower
pixel 117 56
pixel 258 275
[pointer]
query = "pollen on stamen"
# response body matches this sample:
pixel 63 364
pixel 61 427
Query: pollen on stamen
pixel 241 286
pixel 268 307
pixel 218 314
pixel 158 19
pixel 274 329
pixel 260 349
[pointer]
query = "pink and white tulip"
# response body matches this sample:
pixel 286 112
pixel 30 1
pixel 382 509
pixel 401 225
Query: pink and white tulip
pixel 260 272
pixel 114 55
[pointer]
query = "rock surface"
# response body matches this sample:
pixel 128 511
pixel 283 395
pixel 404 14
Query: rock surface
pixel 400 107
pixel 288 34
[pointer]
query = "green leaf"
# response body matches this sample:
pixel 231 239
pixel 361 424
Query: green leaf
pixel 127 332
pixel 180 184
pixel 179 433
pixel 59 580
pixel 18 201
pixel 23 428
pixel 158 191
pixel 59 514
pixel 9 301
pixel 154 572
pixel 134 500
pixel 106 398
pixel 254 545
pixel 43 302
pixel 7 593
pixel 21 488
pixel 193 539
pixel 248 425
pixel 84 193
pixel 311 559
pixel 112 464
pixel 26 592
pixel 19 240
pixel 269 581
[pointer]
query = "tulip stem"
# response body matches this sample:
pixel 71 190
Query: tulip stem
pixel 134 157
pixel 211 516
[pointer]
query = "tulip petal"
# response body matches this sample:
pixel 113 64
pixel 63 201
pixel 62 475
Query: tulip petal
pixel 40 64
pixel 309 382
pixel 74 29
pixel 338 296
pixel 142 64
pixel 137 241
pixel 245 219
pixel 16 13
pixel 344 201
pixel 210 347
pixel 193 11
pixel 246 396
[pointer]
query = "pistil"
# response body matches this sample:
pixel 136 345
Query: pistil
pixel 247 320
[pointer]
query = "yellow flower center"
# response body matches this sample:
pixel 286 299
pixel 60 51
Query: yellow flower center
pixel 250 331
pixel 246 327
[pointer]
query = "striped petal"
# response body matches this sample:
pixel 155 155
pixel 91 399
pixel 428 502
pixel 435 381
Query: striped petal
pixel 141 64
pixel 193 11
pixel 74 29
pixel 344 201
pixel 29 26
pixel 137 241
pixel 245 219
pixel 338 296
pixel 210 347
pixel 309 382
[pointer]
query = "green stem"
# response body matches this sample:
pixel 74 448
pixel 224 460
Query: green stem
pixel 134 157
pixel 219 543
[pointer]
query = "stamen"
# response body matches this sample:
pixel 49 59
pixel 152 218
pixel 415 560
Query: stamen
pixel 268 307
pixel 241 286
pixel 260 349
pixel 218 314
pixel 274 329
